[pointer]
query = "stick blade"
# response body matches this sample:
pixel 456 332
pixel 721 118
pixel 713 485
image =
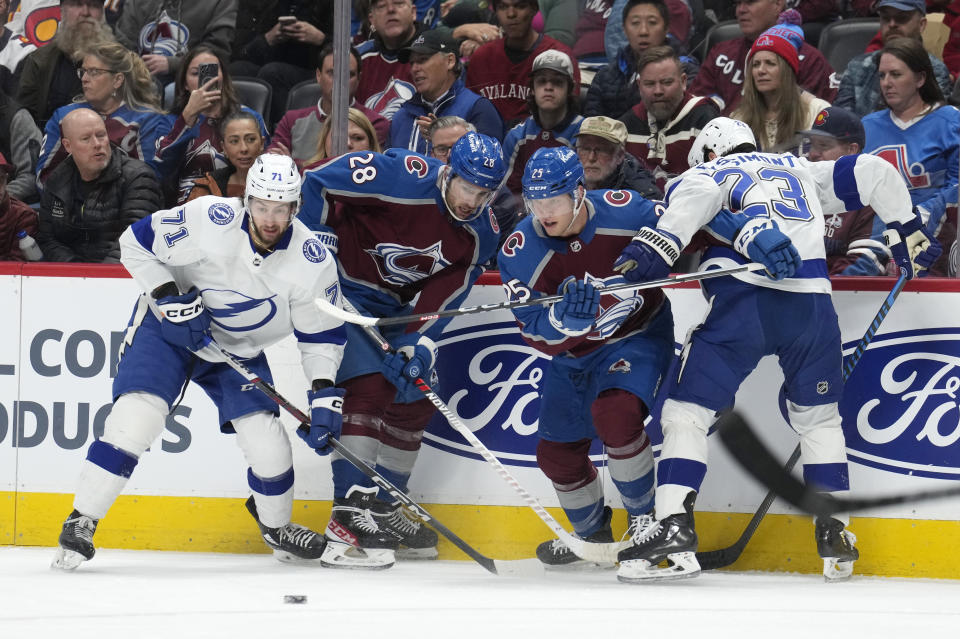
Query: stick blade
pixel 519 567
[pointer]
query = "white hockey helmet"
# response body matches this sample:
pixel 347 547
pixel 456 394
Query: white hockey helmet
pixel 720 135
pixel 274 178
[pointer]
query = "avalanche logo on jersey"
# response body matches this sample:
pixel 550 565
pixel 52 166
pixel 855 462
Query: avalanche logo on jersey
pixel 900 406
pixel 220 214
pixel 402 265
pixel 614 307
pixel 235 312
pixel 896 154
pixel 416 166
pixel 164 36
pixel 314 251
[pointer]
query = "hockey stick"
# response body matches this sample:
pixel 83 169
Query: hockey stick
pixel 519 567
pixel 601 553
pixel 756 459
pixel 713 559
pixel 363 320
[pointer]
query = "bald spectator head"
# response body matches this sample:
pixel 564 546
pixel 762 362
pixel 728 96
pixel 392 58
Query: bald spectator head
pixel 756 16
pixel 85 139
pixel 901 19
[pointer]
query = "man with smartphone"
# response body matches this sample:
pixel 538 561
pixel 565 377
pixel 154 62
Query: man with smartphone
pixel 278 42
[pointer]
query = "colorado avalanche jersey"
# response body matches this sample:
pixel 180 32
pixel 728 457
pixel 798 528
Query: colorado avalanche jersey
pixel 253 300
pixel 535 264
pixel 794 192
pixel 394 236
pixel 523 140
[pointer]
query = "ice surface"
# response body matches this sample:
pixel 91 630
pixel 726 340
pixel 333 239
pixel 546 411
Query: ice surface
pixel 144 594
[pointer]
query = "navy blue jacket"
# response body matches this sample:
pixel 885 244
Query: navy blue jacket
pixel 459 100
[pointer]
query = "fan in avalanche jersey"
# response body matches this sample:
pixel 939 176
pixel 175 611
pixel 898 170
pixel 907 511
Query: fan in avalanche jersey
pixel 773 199
pixel 609 352
pixel 247 274
pixel 405 227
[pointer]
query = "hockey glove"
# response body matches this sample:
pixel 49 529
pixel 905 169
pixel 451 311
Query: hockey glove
pixel 326 418
pixel 648 256
pixel 185 322
pixel 913 248
pixel 575 314
pixel 413 358
pixel 762 241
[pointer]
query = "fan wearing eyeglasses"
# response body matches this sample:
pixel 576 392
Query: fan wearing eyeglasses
pixel 117 85
pixel 606 165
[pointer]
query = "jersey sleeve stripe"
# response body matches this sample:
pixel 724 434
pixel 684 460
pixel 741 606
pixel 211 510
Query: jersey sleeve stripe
pixel 143 231
pixel 845 183
pixel 336 336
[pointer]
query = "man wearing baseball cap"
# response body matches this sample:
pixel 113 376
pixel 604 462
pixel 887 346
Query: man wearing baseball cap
pixel 435 73
pixel 500 70
pixel 600 147
pixel 15 216
pixel 847 237
pixel 554 119
pixel 860 85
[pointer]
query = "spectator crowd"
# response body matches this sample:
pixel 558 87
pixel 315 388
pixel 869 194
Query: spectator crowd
pixel 141 105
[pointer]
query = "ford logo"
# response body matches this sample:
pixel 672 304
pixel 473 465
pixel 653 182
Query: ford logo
pixel 899 408
pixel 495 394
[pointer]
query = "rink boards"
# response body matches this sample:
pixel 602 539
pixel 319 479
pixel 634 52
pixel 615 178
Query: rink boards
pixel 63 327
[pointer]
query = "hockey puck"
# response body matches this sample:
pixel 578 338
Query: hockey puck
pixel 295 599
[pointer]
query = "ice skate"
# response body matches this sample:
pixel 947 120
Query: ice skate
pixel 76 542
pixel 835 544
pixel 416 540
pixel 290 543
pixel 354 540
pixel 554 554
pixel 672 540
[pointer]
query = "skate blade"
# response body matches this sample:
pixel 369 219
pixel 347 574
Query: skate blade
pixel 67 559
pixel 345 556
pixel 837 571
pixel 286 557
pixel 580 565
pixel 681 565
pixel 417 554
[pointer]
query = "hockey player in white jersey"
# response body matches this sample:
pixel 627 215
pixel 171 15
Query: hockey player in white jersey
pixel 245 273
pixel 789 314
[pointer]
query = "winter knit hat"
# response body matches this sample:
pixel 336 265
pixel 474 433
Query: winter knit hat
pixel 784 40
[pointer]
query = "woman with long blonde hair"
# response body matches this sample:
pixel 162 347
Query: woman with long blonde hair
pixel 117 85
pixel 361 136
pixel 773 104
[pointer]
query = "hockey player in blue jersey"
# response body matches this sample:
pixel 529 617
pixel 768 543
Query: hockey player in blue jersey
pixel 412 235
pixel 608 352
pixel 773 199
pixel 245 273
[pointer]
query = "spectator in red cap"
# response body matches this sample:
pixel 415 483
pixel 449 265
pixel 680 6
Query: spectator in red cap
pixel 15 216
pixel 773 104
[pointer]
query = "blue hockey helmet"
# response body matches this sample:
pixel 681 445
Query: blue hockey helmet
pixel 478 159
pixel 552 172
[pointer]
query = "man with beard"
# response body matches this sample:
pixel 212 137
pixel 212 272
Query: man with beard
pixel 48 76
pixel 600 147
pixel 662 127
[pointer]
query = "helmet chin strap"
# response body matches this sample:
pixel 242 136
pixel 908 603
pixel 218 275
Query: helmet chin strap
pixel 576 209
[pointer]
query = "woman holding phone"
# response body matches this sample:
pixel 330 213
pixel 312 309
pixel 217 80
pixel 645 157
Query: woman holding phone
pixel 194 146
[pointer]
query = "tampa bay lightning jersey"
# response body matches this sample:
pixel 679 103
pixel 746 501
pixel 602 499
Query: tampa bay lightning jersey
pixel 533 264
pixel 393 235
pixel 794 192
pixel 253 300
pixel 925 153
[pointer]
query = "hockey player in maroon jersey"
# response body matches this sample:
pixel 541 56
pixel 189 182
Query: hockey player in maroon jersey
pixel 609 351
pixel 500 70
pixel 404 227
